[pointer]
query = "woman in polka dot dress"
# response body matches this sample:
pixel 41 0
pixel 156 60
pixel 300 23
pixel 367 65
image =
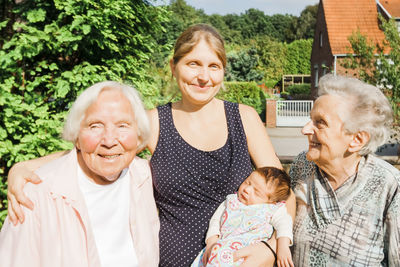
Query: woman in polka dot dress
pixel 203 149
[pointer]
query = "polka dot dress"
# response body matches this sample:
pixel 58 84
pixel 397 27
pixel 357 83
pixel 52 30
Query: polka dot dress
pixel 189 184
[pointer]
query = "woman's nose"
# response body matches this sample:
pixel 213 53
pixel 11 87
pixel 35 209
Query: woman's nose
pixel 109 137
pixel 203 75
pixel 307 129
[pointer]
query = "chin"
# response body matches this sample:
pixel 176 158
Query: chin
pixel 311 155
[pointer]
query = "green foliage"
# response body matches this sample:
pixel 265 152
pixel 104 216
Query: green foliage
pixel 247 93
pixel 242 66
pixel 382 70
pixel 298 92
pixel 303 27
pixel 298 57
pixel 297 89
pixel 272 57
pixel 50 51
pixel 363 59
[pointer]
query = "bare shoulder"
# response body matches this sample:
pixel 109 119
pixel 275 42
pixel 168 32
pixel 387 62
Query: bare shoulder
pixel 250 117
pixel 154 128
pixel 259 145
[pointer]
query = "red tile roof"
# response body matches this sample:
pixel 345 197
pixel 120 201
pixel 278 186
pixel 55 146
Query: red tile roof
pixel 391 6
pixel 345 17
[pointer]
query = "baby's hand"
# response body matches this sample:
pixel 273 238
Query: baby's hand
pixel 283 253
pixel 211 242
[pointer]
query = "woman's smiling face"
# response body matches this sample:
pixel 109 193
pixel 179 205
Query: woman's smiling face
pixel 327 137
pixel 107 139
pixel 199 74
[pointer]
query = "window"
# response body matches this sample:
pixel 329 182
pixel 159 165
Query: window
pixel 320 39
pixel 316 78
pixel 324 69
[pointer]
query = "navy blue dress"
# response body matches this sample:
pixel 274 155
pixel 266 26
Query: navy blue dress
pixel 189 184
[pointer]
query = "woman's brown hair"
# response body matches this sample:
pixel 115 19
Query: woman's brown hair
pixel 192 36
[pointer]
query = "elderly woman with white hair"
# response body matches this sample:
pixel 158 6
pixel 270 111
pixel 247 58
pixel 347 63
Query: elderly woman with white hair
pixel 348 200
pixel 95 206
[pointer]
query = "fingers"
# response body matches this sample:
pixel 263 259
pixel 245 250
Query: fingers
pixel 33 178
pixel 285 263
pixel 205 258
pixel 16 212
pixel 11 215
pixel 241 253
pixel 22 199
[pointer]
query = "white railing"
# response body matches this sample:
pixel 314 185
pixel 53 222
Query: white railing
pixel 293 113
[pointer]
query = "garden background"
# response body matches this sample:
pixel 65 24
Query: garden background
pixel 51 50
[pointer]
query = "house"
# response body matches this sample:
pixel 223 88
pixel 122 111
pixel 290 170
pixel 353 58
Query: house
pixel 336 21
pixel 390 9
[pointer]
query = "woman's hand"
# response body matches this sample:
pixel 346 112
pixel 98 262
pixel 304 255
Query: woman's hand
pixel 18 176
pixel 211 242
pixel 256 255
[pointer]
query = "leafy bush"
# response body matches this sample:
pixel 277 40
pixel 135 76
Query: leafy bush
pixel 242 66
pixel 298 57
pixel 247 93
pixel 297 92
pixel 50 51
pixel 299 89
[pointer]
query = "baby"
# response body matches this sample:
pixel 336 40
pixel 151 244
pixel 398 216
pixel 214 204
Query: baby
pixel 248 217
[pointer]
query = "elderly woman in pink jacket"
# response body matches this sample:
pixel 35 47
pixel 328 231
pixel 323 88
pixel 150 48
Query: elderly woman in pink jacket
pixel 95 206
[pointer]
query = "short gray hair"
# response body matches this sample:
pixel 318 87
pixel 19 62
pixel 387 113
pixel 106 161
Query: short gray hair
pixel 89 96
pixel 369 109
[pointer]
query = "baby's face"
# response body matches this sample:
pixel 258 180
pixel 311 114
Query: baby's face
pixel 254 190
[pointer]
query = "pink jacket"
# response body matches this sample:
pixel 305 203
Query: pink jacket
pixel 57 232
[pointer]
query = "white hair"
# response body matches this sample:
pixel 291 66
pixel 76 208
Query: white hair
pixel 367 108
pixel 89 96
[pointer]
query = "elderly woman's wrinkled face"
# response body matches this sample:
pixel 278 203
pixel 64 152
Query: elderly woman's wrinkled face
pixel 328 141
pixel 107 139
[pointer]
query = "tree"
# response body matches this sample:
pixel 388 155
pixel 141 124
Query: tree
pixel 303 27
pixel 281 25
pixel 272 57
pixel 242 66
pixel 298 57
pixel 50 50
pixel 382 70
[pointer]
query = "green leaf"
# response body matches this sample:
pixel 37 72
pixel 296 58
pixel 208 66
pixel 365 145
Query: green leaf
pixel 36 15
pixel 86 29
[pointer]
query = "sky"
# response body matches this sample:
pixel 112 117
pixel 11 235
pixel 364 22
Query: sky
pixel 270 7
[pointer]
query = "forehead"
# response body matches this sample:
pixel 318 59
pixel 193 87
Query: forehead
pixel 110 103
pixel 201 49
pixel 329 106
pixel 257 178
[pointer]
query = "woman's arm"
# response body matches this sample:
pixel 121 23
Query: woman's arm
pixel 256 255
pixel 20 174
pixel 262 154
pixel 261 151
pixel 260 147
pixel 154 129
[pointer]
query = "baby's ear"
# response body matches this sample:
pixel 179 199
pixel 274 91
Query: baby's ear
pixel 360 139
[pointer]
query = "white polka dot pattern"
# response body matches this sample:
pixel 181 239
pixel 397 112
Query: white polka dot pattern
pixel 189 184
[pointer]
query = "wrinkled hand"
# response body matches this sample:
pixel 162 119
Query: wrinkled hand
pixel 256 255
pixel 18 176
pixel 284 257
